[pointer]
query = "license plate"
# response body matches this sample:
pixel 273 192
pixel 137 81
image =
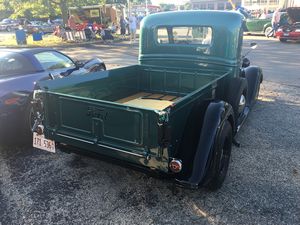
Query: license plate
pixel 39 141
pixel 285 34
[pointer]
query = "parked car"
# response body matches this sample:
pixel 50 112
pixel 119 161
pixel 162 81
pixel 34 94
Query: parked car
pixel 175 113
pixel 291 29
pixel 260 25
pixel 34 26
pixel 19 72
pixel 9 25
pixel 58 22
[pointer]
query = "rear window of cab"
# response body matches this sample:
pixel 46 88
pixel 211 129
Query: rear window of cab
pixel 184 35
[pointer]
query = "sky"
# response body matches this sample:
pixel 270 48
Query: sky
pixel 176 2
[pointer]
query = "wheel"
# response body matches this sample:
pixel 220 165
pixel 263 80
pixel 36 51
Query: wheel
pixel 221 158
pixel 29 119
pixel 8 29
pixel 269 32
pixel 237 96
pixel 282 40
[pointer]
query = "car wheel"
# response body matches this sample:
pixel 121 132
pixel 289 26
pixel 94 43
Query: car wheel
pixel 221 157
pixel 8 29
pixel 269 32
pixel 282 39
pixel 28 122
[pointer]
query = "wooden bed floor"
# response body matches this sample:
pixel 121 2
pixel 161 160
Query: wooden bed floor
pixel 149 100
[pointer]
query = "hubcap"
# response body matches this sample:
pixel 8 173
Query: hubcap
pixel 242 103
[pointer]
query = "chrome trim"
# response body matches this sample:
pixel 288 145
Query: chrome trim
pixel 242 100
pixel 179 163
pixel 105 146
pixel 123 151
pixel 77 139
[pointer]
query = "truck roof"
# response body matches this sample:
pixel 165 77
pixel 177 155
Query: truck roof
pixel 196 17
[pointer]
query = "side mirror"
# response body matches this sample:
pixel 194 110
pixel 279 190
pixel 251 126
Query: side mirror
pixel 79 63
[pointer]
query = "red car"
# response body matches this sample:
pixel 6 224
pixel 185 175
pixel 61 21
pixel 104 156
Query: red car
pixel 291 30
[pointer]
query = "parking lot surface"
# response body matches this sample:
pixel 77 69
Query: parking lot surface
pixel 262 187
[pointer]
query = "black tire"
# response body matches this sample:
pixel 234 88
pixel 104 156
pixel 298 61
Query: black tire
pixel 282 40
pixel 221 158
pixel 237 88
pixel 29 119
pixel 269 32
pixel 8 29
pixel 254 78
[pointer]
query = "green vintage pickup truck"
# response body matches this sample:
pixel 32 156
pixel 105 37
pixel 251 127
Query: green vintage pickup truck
pixel 176 112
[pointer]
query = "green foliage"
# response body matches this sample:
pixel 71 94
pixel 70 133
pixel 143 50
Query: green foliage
pixel 167 7
pixel 41 8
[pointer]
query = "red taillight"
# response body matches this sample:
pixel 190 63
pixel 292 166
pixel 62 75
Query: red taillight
pixel 175 165
pixel 12 101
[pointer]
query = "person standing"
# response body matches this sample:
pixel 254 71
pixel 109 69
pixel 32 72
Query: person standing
pixel 123 23
pixel 72 22
pixel 276 19
pixel 132 27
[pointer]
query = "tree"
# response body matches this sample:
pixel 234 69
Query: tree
pixel 167 7
pixel 42 8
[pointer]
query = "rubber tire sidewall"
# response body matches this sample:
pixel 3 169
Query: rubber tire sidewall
pixel 27 133
pixel 266 33
pixel 217 176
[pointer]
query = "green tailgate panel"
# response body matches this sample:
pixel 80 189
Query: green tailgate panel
pixel 94 121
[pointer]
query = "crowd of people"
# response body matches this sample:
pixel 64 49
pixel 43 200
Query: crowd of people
pixel 127 27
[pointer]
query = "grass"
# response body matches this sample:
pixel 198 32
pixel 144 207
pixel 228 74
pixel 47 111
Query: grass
pixel 49 40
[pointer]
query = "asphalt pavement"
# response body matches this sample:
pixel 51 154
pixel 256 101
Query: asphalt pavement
pixel 262 187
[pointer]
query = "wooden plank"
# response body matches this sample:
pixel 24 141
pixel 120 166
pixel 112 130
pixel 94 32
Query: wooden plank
pixel 132 97
pixel 149 103
pixel 169 97
pixel 155 96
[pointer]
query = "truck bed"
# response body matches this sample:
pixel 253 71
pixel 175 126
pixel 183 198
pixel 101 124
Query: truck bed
pixel 120 112
pixel 137 86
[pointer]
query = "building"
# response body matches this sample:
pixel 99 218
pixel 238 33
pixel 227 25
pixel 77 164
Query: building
pixel 141 9
pixel 268 5
pixel 262 4
pixel 215 4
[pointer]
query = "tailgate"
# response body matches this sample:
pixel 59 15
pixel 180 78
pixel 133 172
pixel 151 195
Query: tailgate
pixel 74 120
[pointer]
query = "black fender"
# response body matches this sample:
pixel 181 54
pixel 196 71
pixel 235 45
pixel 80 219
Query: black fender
pixel 216 113
pixel 254 77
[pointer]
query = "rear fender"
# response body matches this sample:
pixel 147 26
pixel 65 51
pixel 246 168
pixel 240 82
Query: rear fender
pixel 254 77
pixel 216 113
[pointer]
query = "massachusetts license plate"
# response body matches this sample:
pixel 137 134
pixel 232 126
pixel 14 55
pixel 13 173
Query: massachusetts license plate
pixel 39 141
